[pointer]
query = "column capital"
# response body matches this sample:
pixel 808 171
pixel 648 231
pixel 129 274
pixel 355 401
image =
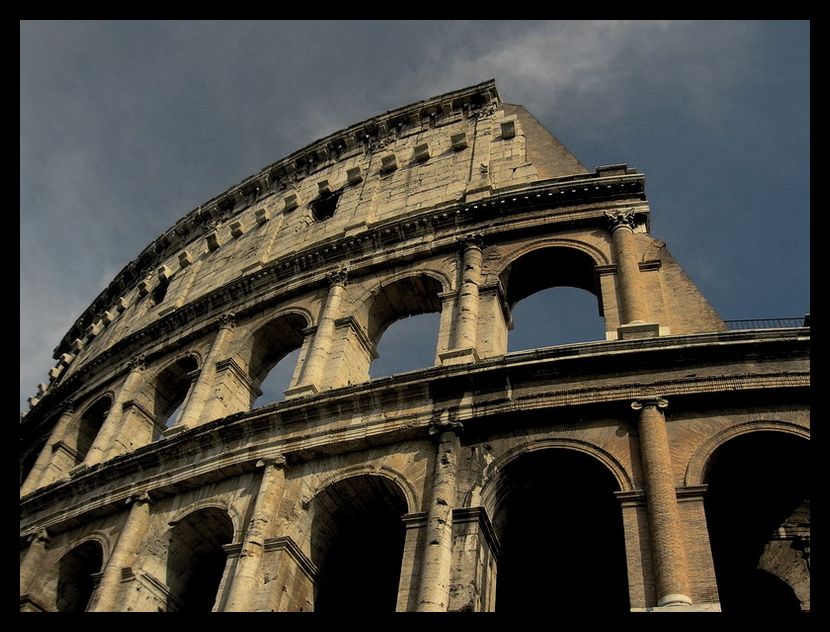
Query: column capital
pixel 139 499
pixel 621 219
pixel 473 240
pixel 277 461
pixel 338 277
pixel 440 427
pixel 643 402
pixel 68 407
pixel 41 535
pixel 228 320
pixel 138 363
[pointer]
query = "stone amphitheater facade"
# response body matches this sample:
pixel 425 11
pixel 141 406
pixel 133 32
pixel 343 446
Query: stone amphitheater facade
pixel 595 475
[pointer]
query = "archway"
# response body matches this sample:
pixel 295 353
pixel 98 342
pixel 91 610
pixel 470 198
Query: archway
pixel 88 427
pixel 272 355
pixel 554 298
pixel 561 533
pixel 196 559
pixel 357 544
pixel 75 581
pixel 415 296
pixel 172 386
pixel 758 515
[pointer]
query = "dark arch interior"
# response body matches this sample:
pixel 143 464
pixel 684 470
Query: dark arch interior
pixel 561 534
pixel 357 544
pixel 549 267
pixel 75 571
pixel 270 344
pixel 89 426
pixel 756 483
pixel 196 559
pixel 172 386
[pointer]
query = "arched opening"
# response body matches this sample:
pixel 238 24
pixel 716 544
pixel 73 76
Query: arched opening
pixel 758 514
pixel 196 559
pixel 402 348
pixel 171 389
pixel 561 533
pixel 357 541
pixel 75 576
pixel 554 298
pixel 414 340
pixel 274 351
pixel 88 427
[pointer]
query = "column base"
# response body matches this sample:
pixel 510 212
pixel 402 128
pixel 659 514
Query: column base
pixel 458 356
pixel 301 391
pixel 174 430
pixel 638 329
pixel 698 607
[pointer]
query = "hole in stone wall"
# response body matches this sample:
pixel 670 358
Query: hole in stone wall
pixel 160 291
pixel 323 207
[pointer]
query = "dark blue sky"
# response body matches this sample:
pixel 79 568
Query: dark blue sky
pixel 127 126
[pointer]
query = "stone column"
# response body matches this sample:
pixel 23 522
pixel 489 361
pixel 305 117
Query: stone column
pixel 267 504
pixel 197 401
pixel 46 454
pixel 112 423
pixel 667 546
pixel 123 555
pixel 465 327
pixel 312 377
pixel 633 306
pixel 31 561
pixel 436 565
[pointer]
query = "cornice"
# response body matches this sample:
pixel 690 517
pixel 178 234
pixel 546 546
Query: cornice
pixel 302 429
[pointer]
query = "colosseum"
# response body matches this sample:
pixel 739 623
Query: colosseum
pixel 662 468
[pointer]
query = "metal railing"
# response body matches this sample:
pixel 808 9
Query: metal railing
pixel 767 323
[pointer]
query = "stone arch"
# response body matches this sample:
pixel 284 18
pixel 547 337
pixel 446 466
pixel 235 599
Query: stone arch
pixel 574 264
pixel 757 505
pixel 405 486
pixel 599 257
pixel 440 276
pixel 267 342
pixel 351 515
pixel 233 514
pixel 411 297
pixel 96 536
pixel 699 462
pixel 86 425
pixel 537 492
pixel 492 473
pixel 75 570
pixel 196 559
pixel 168 388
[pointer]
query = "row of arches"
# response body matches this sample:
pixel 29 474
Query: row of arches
pixel 401 319
pixel 558 522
